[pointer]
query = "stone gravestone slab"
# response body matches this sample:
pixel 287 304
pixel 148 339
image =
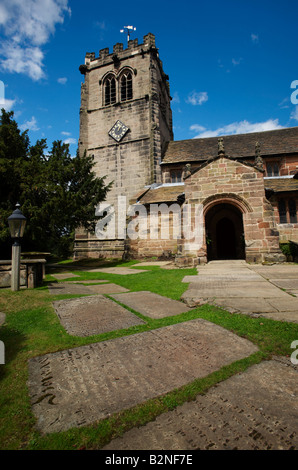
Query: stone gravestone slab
pixel 65 288
pixel 62 276
pixel 89 281
pixel 122 271
pixel 254 410
pixel 94 315
pixel 79 386
pixel 79 289
pixel 151 305
pixel 108 289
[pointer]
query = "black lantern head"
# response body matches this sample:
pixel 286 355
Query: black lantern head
pixel 17 222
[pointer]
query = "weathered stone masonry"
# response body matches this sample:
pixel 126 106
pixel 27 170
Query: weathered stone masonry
pixel 246 185
pixel 232 183
pixel 134 161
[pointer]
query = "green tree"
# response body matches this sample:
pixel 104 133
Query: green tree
pixel 57 192
pixel 14 147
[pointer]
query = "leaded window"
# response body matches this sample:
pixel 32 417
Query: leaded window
pixel 272 169
pixel 176 176
pixel 275 169
pixel 110 90
pixel 126 86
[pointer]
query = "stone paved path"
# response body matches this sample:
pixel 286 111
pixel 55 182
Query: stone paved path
pixel 267 291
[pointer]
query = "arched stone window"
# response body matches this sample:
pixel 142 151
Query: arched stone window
pixel 109 90
pixel 126 86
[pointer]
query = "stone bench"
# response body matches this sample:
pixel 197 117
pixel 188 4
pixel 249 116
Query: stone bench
pixel 31 272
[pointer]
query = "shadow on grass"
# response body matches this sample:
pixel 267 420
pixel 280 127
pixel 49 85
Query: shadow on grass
pixel 91 263
pixel 13 343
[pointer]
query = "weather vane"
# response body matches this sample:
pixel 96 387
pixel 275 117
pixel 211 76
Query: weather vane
pixel 128 31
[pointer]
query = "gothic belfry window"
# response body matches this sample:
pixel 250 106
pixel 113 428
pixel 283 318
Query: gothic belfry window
pixel 109 90
pixel 126 86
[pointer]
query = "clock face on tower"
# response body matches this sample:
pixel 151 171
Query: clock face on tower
pixel 118 130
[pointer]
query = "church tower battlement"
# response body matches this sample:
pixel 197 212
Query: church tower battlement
pixel 125 123
pixel 133 47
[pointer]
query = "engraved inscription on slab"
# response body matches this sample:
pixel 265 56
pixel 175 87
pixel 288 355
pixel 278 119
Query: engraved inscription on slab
pixel 79 386
pixel 93 315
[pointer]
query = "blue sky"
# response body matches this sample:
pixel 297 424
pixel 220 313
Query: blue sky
pixel 230 63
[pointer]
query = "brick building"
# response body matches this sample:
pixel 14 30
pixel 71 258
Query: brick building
pixel 219 198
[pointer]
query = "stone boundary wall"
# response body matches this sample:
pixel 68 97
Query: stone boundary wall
pixel 94 248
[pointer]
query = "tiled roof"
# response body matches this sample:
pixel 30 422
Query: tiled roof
pixel 172 193
pixel 281 141
pixel 161 194
pixel 280 185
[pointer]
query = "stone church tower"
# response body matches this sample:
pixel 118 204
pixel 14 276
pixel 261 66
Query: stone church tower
pixel 126 123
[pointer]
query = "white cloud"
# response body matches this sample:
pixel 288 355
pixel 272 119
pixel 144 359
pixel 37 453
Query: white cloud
pixel 254 38
pixel 101 25
pixel 30 125
pixel 62 80
pixel 27 26
pixel 284 103
pixel 242 127
pixel 66 133
pixel 197 128
pixel 3 14
pixel 197 98
pixel 70 141
pixel 176 98
pixel 294 114
pixel 32 20
pixel 7 104
pixel 237 61
pixel 26 60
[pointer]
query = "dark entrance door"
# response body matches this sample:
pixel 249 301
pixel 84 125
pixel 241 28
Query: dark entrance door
pixel 226 239
pixel 224 232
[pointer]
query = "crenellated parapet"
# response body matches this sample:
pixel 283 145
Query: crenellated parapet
pixel 105 56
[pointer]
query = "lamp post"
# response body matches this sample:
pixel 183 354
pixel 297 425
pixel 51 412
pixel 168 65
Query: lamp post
pixel 17 223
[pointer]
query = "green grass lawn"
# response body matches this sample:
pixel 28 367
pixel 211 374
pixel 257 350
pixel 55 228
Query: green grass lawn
pixel 32 328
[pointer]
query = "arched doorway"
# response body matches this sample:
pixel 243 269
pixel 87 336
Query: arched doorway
pixel 224 232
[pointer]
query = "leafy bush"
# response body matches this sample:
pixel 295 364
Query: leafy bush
pixel 290 250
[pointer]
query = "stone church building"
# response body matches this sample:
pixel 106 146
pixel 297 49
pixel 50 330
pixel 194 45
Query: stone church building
pixel 240 192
